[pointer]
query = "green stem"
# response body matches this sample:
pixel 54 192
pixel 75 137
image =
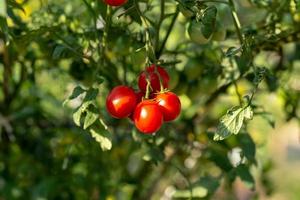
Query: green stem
pixel 237 92
pixel 147 87
pixel 162 14
pixel 149 45
pixel 106 29
pixel 236 21
pixel 159 52
pixel 69 46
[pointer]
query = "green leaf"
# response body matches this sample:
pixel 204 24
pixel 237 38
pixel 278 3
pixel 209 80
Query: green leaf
pixel 210 183
pixel 3 11
pixel 76 92
pixel 58 52
pixel 248 113
pixel 16 5
pixel 232 122
pixel 99 79
pixel 4 29
pixel 208 20
pixel 220 158
pixel 91 116
pixel 77 116
pixel 103 137
pixel 89 98
pixel 247 146
pixel 231 51
pixel 27 37
pixel 91 94
pixel 243 172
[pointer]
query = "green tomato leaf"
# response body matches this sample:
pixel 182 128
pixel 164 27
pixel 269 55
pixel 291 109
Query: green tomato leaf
pixel 103 137
pixel 210 183
pixel 91 94
pixel 243 172
pixel 14 4
pixel 248 113
pixel 99 79
pixel 232 51
pixel 247 146
pixel 76 92
pixel 3 11
pixel 89 98
pixel 58 52
pixel 4 28
pixel 232 122
pixel 77 116
pixel 208 20
pixel 91 116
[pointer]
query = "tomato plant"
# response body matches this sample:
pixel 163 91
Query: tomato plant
pixel 64 127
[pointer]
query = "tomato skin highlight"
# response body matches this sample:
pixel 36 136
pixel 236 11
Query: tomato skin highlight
pixel 121 101
pixel 154 78
pixel 170 105
pixel 148 117
pixel 115 2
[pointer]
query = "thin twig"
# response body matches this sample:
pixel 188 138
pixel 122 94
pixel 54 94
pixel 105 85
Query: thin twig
pixel 236 21
pixel 163 44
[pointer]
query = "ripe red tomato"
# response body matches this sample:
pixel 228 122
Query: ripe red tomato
pixel 148 117
pixel 139 97
pixel 154 78
pixel 121 101
pixel 169 104
pixel 115 2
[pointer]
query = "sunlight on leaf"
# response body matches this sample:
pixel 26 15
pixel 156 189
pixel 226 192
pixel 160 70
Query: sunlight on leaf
pixel 232 122
pixel 3 8
pixel 103 138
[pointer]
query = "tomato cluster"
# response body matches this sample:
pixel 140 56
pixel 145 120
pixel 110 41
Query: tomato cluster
pixel 148 114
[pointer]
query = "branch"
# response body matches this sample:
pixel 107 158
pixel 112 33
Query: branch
pixel 236 21
pixel 159 52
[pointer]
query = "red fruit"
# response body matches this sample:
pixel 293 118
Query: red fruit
pixel 139 97
pixel 169 104
pixel 148 117
pixel 115 2
pixel 121 101
pixel 154 78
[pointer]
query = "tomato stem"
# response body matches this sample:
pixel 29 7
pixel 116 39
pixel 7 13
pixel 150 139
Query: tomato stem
pixel 149 46
pixel 106 28
pixel 236 21
pixel 147 87
pixel 159 78
pixel 163 44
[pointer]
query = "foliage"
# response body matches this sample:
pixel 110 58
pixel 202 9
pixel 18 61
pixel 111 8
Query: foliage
pixel 55 146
